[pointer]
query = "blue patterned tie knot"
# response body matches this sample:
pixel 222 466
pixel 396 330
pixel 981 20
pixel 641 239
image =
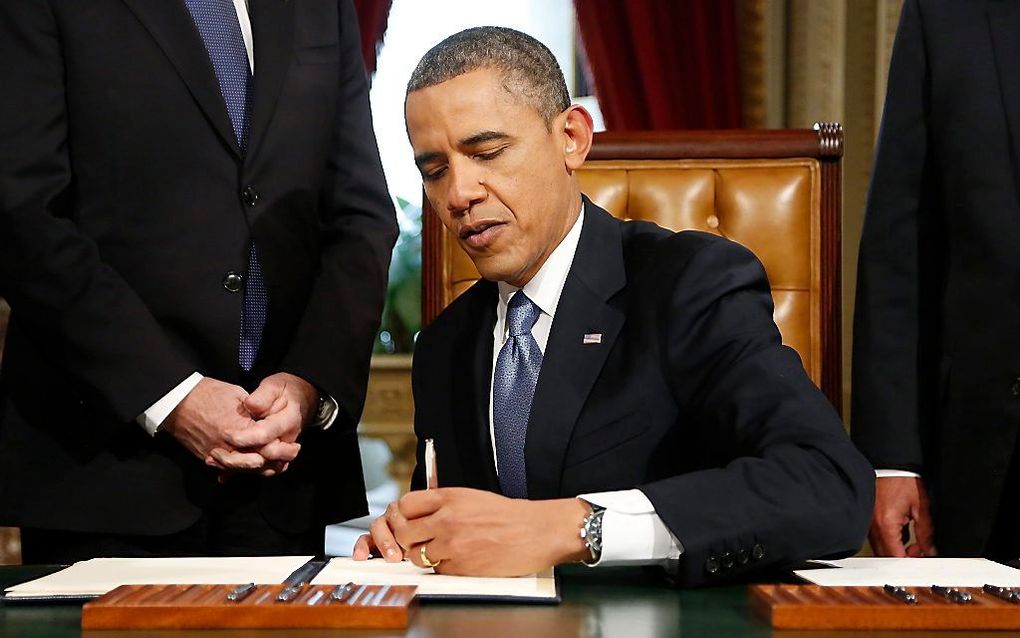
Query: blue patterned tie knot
pixel 521 314
pixel 513 387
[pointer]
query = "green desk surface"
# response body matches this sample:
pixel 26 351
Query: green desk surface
pixel 611 603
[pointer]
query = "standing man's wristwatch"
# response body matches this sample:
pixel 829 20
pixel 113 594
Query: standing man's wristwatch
pixel 324 411
pixel 591 532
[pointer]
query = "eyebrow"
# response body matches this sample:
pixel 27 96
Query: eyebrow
pixel 483 137
pixel 472 140
pixel 422 159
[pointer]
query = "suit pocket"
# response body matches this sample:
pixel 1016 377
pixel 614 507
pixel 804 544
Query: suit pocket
pixel 605 437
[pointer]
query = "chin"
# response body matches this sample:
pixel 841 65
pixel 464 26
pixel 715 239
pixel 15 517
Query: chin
pixel 493 272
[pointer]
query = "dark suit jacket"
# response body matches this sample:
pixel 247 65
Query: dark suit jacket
pixel 689 397
pixel 937 325
pixel 121 211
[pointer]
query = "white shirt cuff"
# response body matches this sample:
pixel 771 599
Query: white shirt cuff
pixel 152 418
pixel 896 474
pixel 632 533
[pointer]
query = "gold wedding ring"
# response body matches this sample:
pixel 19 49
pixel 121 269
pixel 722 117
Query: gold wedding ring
pixel 425 558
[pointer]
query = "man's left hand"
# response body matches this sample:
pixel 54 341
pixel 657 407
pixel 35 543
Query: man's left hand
pixel 281 406
pixel 478 533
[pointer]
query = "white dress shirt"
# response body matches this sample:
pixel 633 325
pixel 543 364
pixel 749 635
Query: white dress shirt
pixel 632 533
pixel 152 418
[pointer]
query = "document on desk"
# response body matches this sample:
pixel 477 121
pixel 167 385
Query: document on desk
pixel 912 572
pixel 538 588
pixel 95 577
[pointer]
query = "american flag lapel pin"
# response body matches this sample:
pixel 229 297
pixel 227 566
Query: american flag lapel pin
pixel 592 337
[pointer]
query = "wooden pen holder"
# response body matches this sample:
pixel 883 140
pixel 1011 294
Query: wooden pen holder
pixel 207 607
pixel 817 607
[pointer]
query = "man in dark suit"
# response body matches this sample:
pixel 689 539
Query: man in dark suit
pixel 625 384
pixel 936 368
pixel 192 208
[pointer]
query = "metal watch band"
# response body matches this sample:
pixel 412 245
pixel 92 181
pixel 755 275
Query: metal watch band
pixel 591 532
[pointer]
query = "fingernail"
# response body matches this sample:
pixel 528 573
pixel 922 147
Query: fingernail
pixel 390 552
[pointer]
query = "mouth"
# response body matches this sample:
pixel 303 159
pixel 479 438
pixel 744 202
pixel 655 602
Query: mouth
pixel 481 234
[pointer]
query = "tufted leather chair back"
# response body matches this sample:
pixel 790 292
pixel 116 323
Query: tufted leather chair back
pixel 775 191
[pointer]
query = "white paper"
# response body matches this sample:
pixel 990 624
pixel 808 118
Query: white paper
pixel 912 572
pixel 376 571
pixel 100 575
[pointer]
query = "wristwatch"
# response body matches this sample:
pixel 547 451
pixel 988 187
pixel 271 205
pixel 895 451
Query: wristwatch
pixel 591 532
pixel 324 411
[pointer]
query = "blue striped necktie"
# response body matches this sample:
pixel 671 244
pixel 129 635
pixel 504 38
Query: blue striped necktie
pixel 217 23
pixel 513 387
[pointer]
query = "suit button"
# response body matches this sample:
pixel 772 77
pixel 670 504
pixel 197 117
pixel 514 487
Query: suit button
pixel 742 556
pixel 757 552
pixel 712 565
pixel 250 196
pixel 233 281
pixel 727 560
pixel 1016 387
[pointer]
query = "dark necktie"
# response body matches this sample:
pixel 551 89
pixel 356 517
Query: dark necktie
pixel 513 387
pixel 217 23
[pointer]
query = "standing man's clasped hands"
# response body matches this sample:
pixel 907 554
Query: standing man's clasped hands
pixel 234 431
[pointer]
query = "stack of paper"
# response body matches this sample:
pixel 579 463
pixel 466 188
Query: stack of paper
pixel 535 588
pixel 92 578
pixel 99 575
pixel 912 572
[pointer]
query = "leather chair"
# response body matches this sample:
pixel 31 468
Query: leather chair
pixel 775 191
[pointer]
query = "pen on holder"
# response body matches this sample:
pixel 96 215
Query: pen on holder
pixel 900 594
pixel 1005 593
pixel 951 593
pixel 299 579
pixel 240 592
pixel 289 593
pixel 431 472
pixel 340 593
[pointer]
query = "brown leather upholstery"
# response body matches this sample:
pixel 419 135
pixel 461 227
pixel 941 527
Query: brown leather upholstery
pixel 776 192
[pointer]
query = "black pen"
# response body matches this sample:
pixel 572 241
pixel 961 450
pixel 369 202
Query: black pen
pixel 900 594
pixel 951 593
pixel 298 580
pixel 340 593
pixel 290 592
pixel 240 592
pixel 1004 593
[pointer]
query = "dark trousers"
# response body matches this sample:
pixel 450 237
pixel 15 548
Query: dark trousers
pixel 232 525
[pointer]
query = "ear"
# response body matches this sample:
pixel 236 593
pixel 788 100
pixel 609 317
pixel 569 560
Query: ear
pixel 578 130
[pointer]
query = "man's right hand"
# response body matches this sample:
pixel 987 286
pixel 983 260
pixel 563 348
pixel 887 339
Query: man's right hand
pixel 898 501
pixel 206 417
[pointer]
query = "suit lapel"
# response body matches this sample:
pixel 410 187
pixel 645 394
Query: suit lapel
pixel 272 24
pixel 473 352
pixel 171 26
pixel 570 366
pixel 1004 23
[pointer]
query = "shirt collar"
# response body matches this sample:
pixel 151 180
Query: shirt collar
pixel 545 287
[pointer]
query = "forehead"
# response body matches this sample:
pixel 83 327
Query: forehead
pixel 464 105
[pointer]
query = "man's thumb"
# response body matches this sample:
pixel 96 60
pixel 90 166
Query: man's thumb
pixel 260 401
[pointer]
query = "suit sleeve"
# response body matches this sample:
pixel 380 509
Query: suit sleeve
pixel 74 307
pixel 782 481
pixel 333 344
pixel 888 334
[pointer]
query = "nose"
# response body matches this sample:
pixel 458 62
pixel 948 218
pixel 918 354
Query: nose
pixel 465 188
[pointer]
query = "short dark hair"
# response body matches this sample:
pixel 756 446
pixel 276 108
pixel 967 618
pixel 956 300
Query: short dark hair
pixel 528 67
